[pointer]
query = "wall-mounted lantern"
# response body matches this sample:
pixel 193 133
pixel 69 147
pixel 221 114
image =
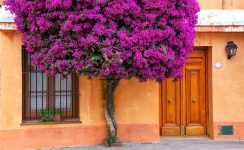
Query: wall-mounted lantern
pixel 231 49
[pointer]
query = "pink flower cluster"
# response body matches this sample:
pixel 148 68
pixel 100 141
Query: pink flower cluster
pixel 112 39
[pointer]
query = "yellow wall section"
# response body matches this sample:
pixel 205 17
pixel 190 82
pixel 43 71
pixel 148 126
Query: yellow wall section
pixel 11 76
pixel 228 81
pixel 137 102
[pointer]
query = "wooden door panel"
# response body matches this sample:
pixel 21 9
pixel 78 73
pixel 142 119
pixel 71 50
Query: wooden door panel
pixel 194 81
pixel 183 102
pixel 192 96
pixel 171 107
pixel 195 130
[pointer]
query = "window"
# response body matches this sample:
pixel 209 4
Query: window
pixel 42 92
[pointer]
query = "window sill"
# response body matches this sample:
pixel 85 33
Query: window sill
pixel 37 122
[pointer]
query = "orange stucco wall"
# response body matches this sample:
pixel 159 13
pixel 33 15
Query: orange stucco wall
pixel 136 107
pixel 10 94
pixel 137 104
pixel 130 101
pixel 227 83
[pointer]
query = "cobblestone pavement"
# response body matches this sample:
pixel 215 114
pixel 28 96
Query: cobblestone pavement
pixel 171 144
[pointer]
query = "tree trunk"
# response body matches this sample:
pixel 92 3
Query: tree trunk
pixel 110 87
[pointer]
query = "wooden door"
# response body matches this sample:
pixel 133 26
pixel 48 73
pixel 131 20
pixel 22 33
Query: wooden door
pixel 183 103
pixel 194 117
pixel 171 107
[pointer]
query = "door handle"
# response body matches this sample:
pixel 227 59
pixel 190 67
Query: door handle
pixel 169 101
pixel 194 100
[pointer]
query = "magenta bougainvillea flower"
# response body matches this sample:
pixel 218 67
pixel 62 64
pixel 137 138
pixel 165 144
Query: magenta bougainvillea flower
pixel 112 39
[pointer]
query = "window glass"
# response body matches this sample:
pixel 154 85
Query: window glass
pixel 42 92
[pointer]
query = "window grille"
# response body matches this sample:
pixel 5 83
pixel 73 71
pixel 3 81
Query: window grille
pixel 42 92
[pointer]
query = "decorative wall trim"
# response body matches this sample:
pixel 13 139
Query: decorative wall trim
pixel 7 26
pixel 220 29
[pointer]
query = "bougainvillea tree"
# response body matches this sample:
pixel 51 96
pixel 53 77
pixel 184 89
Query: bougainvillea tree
pixel 110 39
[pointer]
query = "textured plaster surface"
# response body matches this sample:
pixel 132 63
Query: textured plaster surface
pixel 227 81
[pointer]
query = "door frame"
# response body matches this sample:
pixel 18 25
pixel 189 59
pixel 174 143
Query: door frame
pixel 208 94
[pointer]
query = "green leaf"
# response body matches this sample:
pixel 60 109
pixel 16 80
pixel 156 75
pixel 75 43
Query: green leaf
pixel 128 78
pixel 96 74
pixel 96 58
